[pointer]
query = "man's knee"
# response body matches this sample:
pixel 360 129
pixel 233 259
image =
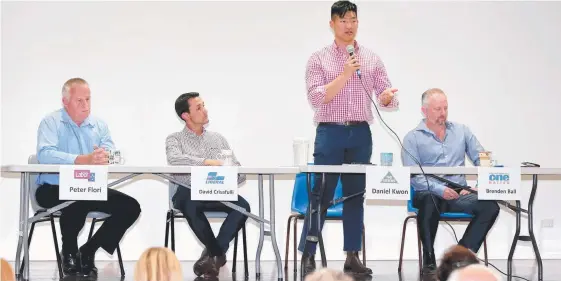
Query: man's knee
pixel 490 207
pixel 244 204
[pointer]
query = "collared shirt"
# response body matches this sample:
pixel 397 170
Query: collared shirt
pixel 189 149
pixel 60 141
pixel 430 151
pixel 351 103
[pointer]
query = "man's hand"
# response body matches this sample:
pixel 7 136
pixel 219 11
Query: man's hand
pixel 99 156
pixel 450 194
pixel 212 162
pixel 351 66
pixel 387 95
pixel 465 192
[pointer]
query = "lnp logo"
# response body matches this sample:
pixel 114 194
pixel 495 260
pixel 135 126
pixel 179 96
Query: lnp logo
pixel 389 178
pixel 213 178
pixel 499 178
pixel 84 174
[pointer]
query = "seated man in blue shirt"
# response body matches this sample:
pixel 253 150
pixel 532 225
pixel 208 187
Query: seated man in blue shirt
pixel 437 142
pixel 70 136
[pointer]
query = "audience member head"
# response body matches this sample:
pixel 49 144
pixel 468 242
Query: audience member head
pixel 76 99
pixel 191 109
pixel 455 258
pixel 474 272
pixel 435 107
pixel 7 273
pixel 158 264
pixel 327 274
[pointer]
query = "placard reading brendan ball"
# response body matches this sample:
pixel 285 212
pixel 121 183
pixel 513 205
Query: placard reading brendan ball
pixel 212 183
pixel 388 183
pixel 81 182
pixel 499 183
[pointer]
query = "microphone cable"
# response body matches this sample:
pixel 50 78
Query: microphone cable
pixel 424 174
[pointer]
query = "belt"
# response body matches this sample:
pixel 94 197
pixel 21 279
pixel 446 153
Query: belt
pixel 346 123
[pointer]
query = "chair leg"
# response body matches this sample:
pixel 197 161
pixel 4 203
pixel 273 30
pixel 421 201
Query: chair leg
pixel 167 229
pixel 287 243
pixel 171 221
pixel 235 254
pixel 295 248
pixel 485 252
pixel 28 245
pixel 120 261
pixel 55 240
pixel 92 228
pixel 245 265
pixel 363 244
pixel 403 242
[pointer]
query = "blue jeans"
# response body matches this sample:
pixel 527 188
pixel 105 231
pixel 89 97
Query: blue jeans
pixel 337 145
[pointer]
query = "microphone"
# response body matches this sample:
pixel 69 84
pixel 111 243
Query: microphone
pixel 351 51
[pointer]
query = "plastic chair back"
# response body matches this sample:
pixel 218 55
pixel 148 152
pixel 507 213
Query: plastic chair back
pixel 300 196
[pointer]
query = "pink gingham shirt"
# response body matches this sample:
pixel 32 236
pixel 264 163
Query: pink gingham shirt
pixel 351 103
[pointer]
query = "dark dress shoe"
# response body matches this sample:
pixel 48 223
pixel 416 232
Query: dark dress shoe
pixel 220 261
pixel 354 266
pixel 205 265
pixel 429 273
pixel 70 263
pixel 87 264
pixel 308 264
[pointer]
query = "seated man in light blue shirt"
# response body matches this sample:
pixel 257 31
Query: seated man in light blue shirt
pixel 437 142
pixel 70 136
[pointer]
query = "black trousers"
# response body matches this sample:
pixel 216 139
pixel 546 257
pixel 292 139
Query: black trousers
pixel 124 211
pixel 485 213
pixel 194 213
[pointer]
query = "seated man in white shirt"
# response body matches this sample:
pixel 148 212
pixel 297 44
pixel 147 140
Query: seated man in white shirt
pixel 196 146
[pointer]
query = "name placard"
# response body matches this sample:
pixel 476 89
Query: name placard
pixel 499 183
pixel 214 183
pixel 81 182
pixel 388 183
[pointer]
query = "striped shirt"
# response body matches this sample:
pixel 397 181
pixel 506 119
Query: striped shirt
pixel 189 149
pixel 351 103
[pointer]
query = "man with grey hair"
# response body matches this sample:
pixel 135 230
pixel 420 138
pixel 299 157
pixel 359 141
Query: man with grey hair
pixel 71 136
pixel 437 142
pixel 475 272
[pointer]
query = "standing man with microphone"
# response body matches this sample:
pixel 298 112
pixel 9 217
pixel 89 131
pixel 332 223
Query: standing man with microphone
pixel 343 113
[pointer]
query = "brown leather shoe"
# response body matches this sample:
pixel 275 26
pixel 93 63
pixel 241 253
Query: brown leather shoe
pixel 354 266
pixel 205 266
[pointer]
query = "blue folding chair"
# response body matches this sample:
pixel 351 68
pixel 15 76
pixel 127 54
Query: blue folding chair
pixel 299 208
pixel 450 216
pixel 174 213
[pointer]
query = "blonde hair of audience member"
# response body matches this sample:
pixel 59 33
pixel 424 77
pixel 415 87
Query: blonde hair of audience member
pixel 327 274
pixel 6 271
pixel 158 264
pixel 474 272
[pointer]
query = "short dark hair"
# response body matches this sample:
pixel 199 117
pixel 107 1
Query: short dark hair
pixel 342 7
pixel 182 103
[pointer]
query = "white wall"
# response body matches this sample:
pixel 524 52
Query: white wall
pixel 498 62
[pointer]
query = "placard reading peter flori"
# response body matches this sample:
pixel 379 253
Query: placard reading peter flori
pixel 388 183
pixel 214 183
pixel 78 183
pixel 499 183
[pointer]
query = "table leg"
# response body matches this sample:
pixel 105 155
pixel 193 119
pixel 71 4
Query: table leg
pixel 272 229
pixel 514 242
pixel 261 227
pixel 531 226
pixel 26 226
pixel 20 224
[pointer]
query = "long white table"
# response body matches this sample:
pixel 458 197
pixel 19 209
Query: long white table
pixel 533 171
pixel 25 172
pixel 162 171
